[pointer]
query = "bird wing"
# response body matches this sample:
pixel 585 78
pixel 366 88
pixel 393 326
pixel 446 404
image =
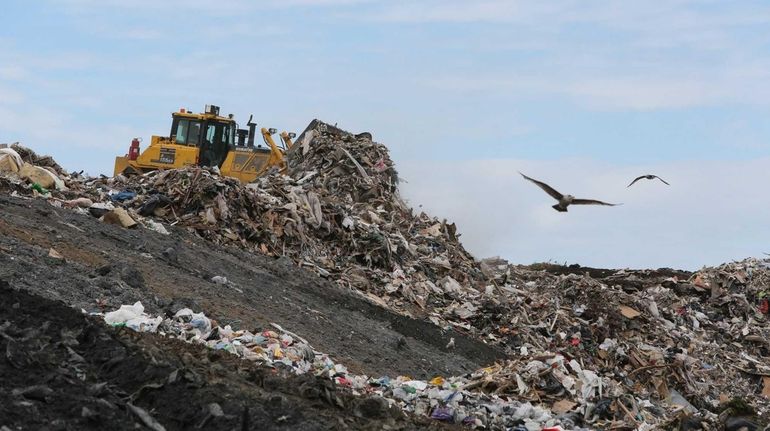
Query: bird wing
pixel 591 202
pixel 635 180
pixel 664 181
pixel 548 189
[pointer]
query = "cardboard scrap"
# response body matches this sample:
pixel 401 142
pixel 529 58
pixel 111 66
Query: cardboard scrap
pixel 120 217
pixel 54 254
pixel 766 387
pixel 562 406
pixel 629 312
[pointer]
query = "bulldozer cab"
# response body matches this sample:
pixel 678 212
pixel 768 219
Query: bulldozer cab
pixel 212 134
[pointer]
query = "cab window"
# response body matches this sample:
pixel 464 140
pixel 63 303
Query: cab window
pixel 211 132
pixel 229 135
pixel 181 132
pixel 194 133
pixel 187 132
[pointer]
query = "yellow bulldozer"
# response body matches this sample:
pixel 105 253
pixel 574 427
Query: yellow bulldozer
pixel 208 139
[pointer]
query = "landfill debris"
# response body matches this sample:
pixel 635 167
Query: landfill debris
pixel 441 399
pixel 133 316
pixel 338 212
pixel 218 279
pixel 78 203
pixel 265 346
pixel 54 254
pixel 629 348
pixel 629 312
pixel 563 406
pixel 221 280
pixel 63 370
pixel 39 188
pixel 10 160
pixel 120 217
pixel 99 209
pixel 36 174
pixel 156 226
pixel 19 163
pixel 29 156
pixel 123 196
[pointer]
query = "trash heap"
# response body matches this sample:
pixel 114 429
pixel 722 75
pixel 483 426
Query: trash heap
pixel 640 348
pixel 449 400
pixel 592 355
pixel 21 169
pixel 337 212
pixel 267 347
pixel 600 349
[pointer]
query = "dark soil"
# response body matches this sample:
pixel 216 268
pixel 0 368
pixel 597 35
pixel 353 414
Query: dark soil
pixel 105 266
pixel 62 370
pixel 629 280
pixel 601 273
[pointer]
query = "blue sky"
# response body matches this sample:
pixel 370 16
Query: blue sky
pixel 465 93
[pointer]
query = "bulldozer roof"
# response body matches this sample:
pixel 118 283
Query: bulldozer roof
pixel 202 116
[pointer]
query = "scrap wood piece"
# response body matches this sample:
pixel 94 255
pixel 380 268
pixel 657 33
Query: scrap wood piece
pixel 754 373
pixel 629 312
pixel 648 367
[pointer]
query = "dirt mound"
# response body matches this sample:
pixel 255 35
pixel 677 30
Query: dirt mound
pixel 105 266
pixel 63 370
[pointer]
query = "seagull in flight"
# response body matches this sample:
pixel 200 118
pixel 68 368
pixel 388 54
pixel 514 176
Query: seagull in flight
pixel 647 177
pixel 564 200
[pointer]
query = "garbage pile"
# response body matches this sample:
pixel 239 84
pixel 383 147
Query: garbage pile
pixel 22 169
pixel 593 353
pixel 601 349
pixel 338 212
pixel 640 348
pixel 449 400
pixel 267 346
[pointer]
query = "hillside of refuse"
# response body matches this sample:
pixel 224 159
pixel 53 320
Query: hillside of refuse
pixel 327 273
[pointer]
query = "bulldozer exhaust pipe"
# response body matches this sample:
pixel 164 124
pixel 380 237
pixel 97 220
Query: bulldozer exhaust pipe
pixel 252 129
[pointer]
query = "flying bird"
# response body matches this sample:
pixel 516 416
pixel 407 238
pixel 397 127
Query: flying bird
pixel 564 200
pixel 647 177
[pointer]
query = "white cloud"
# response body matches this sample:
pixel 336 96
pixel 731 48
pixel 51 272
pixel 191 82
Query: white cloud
pixel 711 212
pixel 620 90
pixel 218 8
pixel 141 33
pixel 319 3
pixel 10 96
pixel 639 93
pixel 636 55
pixel 11 72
